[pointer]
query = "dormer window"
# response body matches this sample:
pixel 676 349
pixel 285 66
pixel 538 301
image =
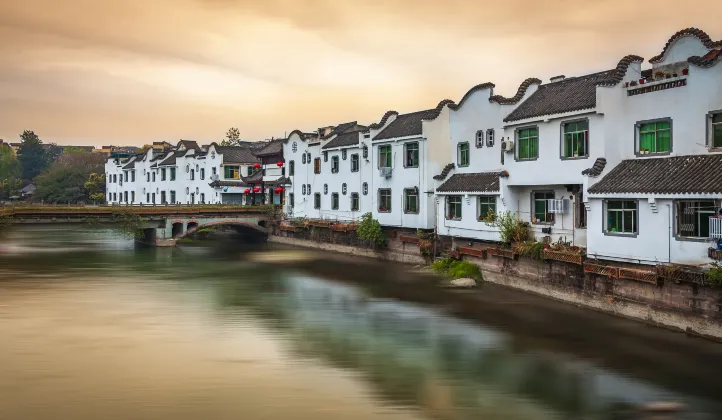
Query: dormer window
pixel 480 138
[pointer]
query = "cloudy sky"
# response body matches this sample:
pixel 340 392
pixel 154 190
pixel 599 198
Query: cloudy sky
pixel 135 71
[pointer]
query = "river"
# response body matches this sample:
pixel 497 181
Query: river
pixel 92 327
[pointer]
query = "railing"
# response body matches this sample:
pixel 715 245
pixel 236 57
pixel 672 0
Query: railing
pixel 715 227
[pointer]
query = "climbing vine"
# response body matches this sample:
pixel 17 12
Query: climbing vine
pixel 369 229
pixel 128 223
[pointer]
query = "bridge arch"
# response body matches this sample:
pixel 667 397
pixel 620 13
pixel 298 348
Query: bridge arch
pixel 251 231
pixel 177 229
pixel 191 225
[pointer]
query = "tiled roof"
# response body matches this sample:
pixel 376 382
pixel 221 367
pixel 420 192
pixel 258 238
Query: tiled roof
pixel 700 34
pixel 597 168
pixel 387 115
pixel 272 147
pixel 341 128
pixel 170 160
pixel 189 144
pixel 444 172
pixel 620 71
pixel 519 93
pixel 697 174
pixel 215 184
pixel 708 60
pixel 474 182
pixel 131 164
pixel 236 154
pixel 573 94
pixel 255 178
pixel 345 139
pixel 405 125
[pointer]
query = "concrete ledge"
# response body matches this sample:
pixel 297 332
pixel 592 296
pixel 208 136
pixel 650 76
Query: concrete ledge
pixel 386 254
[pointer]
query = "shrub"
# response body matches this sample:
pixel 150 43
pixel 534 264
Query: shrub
pixel 456 269
pixel 511 228
pixel 369 229
pixel 714 274
pixel 531 249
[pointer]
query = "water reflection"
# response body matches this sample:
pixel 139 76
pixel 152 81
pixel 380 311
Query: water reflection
pixel 119 332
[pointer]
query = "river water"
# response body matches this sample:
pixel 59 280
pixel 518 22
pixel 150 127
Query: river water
pixel 92 327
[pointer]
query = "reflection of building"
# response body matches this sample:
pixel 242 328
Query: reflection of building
pixel 27 191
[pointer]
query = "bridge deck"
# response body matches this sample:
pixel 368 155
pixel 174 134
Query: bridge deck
pixel 65 211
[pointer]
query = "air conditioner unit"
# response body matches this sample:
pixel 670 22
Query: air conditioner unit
pixel 558 206
pixel 507 145
pixel 385 172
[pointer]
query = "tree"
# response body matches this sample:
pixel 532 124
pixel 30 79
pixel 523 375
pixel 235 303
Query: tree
pixel 233 136
pixel 9 173
pixel 145 148
pixel 95 187
pixel 32 155
pixel 65 180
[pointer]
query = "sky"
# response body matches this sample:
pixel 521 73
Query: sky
pixel 129 72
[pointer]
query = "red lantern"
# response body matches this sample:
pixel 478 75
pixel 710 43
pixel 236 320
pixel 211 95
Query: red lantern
pixel 247 191
pixel 279 190
pixel 256 189
pixel 279 164
pixel 257 165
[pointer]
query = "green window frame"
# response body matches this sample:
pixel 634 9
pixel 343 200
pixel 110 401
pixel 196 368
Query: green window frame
pixel 540 207
pixel 411 155
pixel 693 218
pixel 527 143
pixel 486 208
pixel 231 172
pixel 411 200
pixel 355 163
pixel 655 137
pixel 716 129
pixel 621 217
pixel 385 156
pixel 453 207
pixel 463 154
pixel 334 201
pixel 354 202
pixel 384 200
pixel 576 139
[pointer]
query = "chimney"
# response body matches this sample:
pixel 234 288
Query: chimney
pixel 557 78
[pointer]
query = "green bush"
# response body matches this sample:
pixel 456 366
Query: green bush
pixel 369 229
pixel 714 274
pixel 457 269
pixel 511 228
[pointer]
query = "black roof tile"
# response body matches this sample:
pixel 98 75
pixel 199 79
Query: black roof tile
pixel 236 154
pixel 697 174
pixel 346 139
pixel 473 182
pixel 444 172
pixel 597 168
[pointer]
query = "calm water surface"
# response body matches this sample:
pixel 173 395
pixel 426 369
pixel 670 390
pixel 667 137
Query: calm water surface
pixel 92 328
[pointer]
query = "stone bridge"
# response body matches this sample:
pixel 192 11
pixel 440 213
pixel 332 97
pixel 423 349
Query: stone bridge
pixel 160 225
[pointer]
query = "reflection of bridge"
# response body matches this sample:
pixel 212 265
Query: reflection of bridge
pixel 160 225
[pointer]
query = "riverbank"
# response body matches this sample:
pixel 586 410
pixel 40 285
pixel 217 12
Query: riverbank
pixel 670 305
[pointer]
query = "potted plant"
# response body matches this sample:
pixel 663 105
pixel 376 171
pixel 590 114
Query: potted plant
pixel 633 83
pixel 685 72
pixel 659 75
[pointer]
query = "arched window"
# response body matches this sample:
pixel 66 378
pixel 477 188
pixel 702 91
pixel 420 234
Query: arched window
pixel 303 189
pixel 325 188
pixel 303 159
pixel 480 138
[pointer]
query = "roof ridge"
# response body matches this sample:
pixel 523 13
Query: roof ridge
pixel 519 93
pixel 692 31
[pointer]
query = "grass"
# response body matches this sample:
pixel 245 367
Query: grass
pixel 456 269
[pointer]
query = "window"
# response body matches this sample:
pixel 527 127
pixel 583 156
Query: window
pixel 411 200
pixel 294 147
pixel 291 200
pixel 334 164
pixel 365 152
pixel 453 207
pixel 193 174
pixel 203 174
pixel 317 166
pixel 334 201
pixel 250 170
pixel 125 196
pixel 486 208
pixel 308 189
pixel 480 138
pixel 325 189
pixel 147 177
pixel 693 218
pixel 325 156
pixel 411 155
pixel 303 158
pixel 354 202
pixel 317 201
pixel 162 198
pixel 527 140
pixel 308 157
pixel 147 197
pixel 132 176
pixel 231 172
pixel 172 197
pixel 125 174
pixel 463 156
pixel 162 174
pixel 132 196
pixel 540 207
pixel 490 137
pixel 203 198
pixel 354 163
pixel 172 174
pixel 343 188
pixel 621 216
pixel 580 215
pixel 655 137
pixel 576 137
pixel 365 188
pixel 115 179
pixel 213 171
pixel 153 176
pixel 343 154
pixel 716 129
pixel 303 189
pixel 291 168
pixel 153 197
pixel 385 200
pixel 385 156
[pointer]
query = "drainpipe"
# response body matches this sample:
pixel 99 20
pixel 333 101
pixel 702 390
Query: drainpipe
pixel 669 233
